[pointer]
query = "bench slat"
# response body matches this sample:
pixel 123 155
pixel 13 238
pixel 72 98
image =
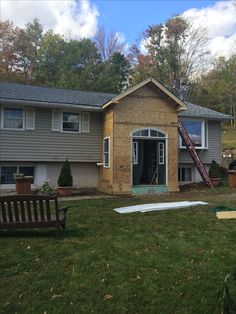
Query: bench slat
pixel 4 216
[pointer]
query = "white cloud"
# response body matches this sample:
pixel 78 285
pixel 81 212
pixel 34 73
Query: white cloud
pixel 219 21
pixel 71 18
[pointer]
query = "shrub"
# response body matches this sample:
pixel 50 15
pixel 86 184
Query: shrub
pixel 65 177
pixel 214 171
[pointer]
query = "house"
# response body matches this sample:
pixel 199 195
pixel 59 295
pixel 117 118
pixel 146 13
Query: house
pixel 127 143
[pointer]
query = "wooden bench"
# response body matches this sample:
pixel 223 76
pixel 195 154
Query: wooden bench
pixel 31 211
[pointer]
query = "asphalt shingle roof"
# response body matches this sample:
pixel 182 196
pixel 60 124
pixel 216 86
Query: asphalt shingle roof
pixel 55 95
pixel 76 97
pixel 202 112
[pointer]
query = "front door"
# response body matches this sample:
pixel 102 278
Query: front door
pixel 148 162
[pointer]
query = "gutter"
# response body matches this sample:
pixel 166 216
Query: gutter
pixel 225 117
pixel 45 104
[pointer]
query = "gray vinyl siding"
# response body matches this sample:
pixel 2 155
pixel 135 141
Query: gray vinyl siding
pixel 42 144
pixel 214 146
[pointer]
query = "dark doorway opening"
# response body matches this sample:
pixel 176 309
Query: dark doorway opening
pixel 149 166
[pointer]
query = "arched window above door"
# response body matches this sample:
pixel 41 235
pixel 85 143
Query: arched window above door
pixel 148 133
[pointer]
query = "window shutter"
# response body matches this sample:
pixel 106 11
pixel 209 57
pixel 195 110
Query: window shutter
pixel 56 120
pixel 30 119
pixel 85 122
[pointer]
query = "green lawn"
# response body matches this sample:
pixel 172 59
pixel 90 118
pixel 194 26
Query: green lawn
pixel 158 262
pixel 228 137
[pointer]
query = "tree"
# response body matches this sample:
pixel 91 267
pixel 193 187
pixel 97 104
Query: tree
pixel 49 59
pixel 8 35
pixel 114 76
pixel 217 88
pixel 175 51
pixel 108 44
pixel 80 66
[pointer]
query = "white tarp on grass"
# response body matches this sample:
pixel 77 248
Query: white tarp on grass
pixel 157 206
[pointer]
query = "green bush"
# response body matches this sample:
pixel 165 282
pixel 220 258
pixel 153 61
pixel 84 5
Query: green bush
pixel 65 177
pixel 214 171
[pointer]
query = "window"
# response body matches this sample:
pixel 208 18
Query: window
pixel 197 132
pixel 161 153
pixel 106 163
pixel 13 118
pixel 148 133
pixel 185 175
pixel 70 122
pixel 135 153
pixel 7 173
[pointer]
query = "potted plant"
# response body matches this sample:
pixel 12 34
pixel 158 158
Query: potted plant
pixel 214 173
pixel 46 189
pixel 65 180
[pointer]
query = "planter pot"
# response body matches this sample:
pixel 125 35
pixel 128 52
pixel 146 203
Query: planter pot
pixel 64 190
pixel 232 178
pixel 215 181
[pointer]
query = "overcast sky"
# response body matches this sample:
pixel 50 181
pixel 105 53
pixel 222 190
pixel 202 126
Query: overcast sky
pixel 77 19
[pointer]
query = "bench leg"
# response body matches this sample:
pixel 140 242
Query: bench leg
pixel 58 231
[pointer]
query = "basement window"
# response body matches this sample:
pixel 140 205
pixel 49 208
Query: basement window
pixel 185 175
pixel 7 173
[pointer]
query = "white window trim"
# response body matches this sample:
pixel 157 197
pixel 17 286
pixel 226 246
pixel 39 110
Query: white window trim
pixel 106 138
pixel 135 148
pixel 204 135
pixel 163 151
pixel 184 167
pixel 2 118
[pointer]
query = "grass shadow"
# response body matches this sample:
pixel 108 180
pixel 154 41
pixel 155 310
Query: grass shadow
pixel 50 233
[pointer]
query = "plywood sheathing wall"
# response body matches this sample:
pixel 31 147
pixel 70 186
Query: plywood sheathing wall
pixel 147 107
pixel 106 174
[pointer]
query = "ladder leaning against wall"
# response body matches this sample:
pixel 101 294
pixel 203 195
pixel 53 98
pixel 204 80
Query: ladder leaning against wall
pixel 192 151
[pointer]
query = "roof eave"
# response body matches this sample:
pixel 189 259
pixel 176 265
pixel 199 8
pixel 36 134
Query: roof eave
pixel 45 104
pixel 226 118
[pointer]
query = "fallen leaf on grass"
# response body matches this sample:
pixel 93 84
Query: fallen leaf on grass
pixel 56 296
pixel 108 296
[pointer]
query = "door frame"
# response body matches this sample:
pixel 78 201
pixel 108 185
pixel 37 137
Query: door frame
pixel 163 138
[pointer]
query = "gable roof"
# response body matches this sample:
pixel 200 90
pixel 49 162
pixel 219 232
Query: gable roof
pixel 12 91
pixel 116 99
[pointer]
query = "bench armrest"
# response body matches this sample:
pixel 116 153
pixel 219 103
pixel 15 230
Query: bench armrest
pixel 63 209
